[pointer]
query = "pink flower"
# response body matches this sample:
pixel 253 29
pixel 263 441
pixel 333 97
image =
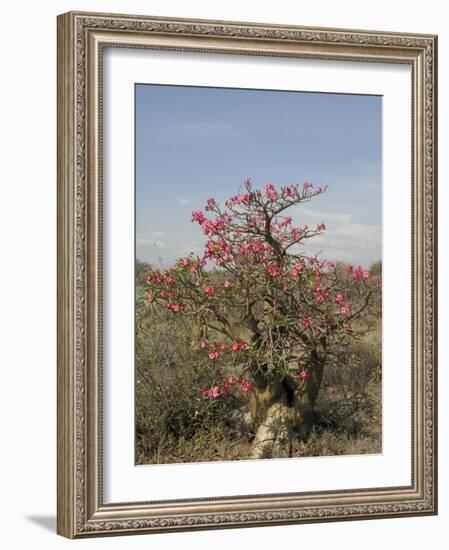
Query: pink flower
pixel 211 203
pixel 246 386
pixel 173 307
pixel 212 227
pixel 297 268
pixel 357 273
pixel 306 322
pixel 150 296
pixel 339 298
pixel 215 392
pixel 273 271
pixel 270 191
pixel 210 249
pixel 203 345
pixel 242 345
pixel 344 310
pixel 303 374
pixel 198 217
pixel 234 347
pixel 366 274
pixel 227 284
pixel 321 227
pixel 213 355
pixel 285 288
pixel 210 291
pixel 307 186
pixel 184 262
pixel 223 347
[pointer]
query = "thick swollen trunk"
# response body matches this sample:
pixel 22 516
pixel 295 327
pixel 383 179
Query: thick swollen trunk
pixel 282 410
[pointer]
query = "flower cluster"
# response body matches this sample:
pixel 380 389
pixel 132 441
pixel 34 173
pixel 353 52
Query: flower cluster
pixel 173 307
pixel 358 272
pixel 238 199
pixel 270 192
pixel 297 268
pixel 158 278
pixel 321 294
pixel 273 271
pixel 216 349
pixel 246 386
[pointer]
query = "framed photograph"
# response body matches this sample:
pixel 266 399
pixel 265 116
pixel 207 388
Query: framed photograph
pixel 246 274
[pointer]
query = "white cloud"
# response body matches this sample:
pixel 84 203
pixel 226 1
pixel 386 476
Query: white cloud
pixel 192 247
pixel 149 242
pixel 158 235
pixel 156 239
pixel 183 201
pixel 319 216
pixel 343 239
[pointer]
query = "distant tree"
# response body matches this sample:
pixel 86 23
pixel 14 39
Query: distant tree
pixel 142 271
pixel 376 268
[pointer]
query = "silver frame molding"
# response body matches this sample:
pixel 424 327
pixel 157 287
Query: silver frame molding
pixel 81 39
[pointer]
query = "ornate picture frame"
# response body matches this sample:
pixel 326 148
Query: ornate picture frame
pixel 82 39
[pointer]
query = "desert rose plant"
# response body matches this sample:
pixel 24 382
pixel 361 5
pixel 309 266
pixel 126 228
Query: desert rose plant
pixel 270 316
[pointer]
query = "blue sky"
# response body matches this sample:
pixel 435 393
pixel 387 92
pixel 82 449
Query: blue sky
pixel 193 143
